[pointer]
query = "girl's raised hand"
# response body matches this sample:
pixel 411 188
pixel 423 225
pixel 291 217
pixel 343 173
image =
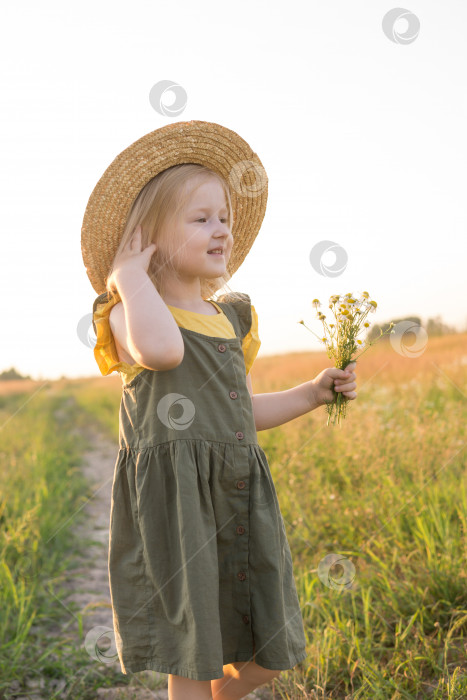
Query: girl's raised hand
pixel 132 258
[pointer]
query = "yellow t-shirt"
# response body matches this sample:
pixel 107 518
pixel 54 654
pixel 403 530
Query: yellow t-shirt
pixel 219 325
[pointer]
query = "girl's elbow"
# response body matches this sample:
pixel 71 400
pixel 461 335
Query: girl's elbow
pixel 168 359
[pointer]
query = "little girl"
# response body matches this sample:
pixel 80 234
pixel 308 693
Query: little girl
pixel 200 568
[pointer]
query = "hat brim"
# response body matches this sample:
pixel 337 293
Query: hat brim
pixel 206 143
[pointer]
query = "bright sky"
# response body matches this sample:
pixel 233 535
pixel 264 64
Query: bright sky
pixel 363 140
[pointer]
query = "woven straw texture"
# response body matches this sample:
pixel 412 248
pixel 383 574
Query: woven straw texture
pixel 206 143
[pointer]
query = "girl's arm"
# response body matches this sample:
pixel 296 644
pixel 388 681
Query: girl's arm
pixel 271 410
pixel 149 329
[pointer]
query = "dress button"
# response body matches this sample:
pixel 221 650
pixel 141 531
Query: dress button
pixel 240 530
pixel 246 619
pixel 239 435
pixel 221 347
pixel 240 484
pixel 241 575
pixel 233 394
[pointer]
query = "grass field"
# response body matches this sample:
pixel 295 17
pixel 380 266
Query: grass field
pixel 386 493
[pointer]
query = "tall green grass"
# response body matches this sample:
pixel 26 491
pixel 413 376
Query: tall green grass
pixel 42 494
pixel 386 492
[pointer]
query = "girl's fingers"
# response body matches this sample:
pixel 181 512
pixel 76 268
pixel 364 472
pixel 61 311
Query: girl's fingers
pixel 135 236
pixel 350 375
pixel 345 387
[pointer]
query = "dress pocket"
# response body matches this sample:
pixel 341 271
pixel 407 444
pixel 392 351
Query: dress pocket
pixel 262 489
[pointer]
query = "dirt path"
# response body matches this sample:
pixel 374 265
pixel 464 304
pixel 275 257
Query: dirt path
pixel 89 581
pixel 90 584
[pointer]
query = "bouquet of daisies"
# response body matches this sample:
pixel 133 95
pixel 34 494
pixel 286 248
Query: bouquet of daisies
pixel 341 338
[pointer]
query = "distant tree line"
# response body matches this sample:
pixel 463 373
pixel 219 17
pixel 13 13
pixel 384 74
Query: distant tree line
pixel 12 373
pixel 434 327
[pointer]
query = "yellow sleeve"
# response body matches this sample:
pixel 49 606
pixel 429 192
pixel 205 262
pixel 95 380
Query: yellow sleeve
pixel 105 350
pixel 251 341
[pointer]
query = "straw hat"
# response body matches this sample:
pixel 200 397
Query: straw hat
pixel 205 143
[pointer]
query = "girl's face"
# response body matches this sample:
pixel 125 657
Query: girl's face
pixel 204 226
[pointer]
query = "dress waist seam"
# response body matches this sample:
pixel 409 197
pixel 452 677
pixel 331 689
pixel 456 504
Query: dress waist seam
pixel 128 448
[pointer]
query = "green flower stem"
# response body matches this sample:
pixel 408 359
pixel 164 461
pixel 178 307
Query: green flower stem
pixel 341 346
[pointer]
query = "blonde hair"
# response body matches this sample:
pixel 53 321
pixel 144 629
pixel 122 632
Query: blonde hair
pixel 158 207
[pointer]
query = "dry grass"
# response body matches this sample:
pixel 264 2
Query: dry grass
pixel 386 492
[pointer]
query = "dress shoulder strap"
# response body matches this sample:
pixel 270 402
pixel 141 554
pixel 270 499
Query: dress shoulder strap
pixel 240 303
pixel 101 299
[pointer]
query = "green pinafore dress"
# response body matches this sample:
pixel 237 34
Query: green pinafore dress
pixel 200 569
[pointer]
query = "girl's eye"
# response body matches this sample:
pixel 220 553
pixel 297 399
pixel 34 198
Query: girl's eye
pixel 204 219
